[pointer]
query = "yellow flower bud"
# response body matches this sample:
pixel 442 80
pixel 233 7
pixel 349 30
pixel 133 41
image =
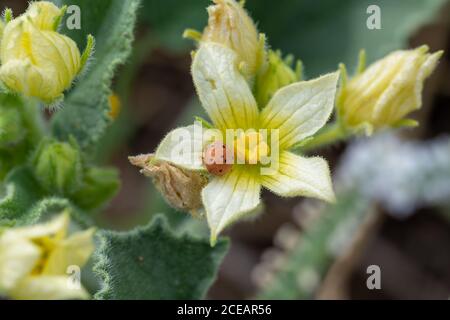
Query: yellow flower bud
pixel 35 260
pixel 277 74
pixel 36 60
pixel 44 14
pixel 230 25
pixel 387 91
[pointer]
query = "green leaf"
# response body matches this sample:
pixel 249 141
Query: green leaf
pixel 24 202
pixel 324 33
pixel 154 263
pixel 19 192
pixel 54 206
pixel 86 106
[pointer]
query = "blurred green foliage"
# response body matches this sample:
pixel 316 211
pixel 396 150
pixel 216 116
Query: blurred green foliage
pixel 320 33
pixel 324 33
pixel 307 264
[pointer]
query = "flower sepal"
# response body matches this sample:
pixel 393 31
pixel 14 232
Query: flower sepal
pixel 180 187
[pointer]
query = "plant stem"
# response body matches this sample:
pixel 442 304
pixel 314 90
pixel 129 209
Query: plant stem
pixel 330 134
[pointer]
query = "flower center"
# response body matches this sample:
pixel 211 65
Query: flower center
pixel 47 246
pixel 251 148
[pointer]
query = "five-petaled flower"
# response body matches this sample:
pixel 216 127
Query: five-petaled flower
pixel 34 260
pixel 294 113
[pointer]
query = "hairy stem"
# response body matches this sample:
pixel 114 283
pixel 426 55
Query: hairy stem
pixel 329 135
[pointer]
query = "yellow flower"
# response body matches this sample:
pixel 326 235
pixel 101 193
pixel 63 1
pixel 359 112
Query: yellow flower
pixel 36 60
pixel 230 25
pixel 295 113
pixel 385 93
pixel 34 260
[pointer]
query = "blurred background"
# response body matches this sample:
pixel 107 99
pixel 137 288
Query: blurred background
pixel 400 218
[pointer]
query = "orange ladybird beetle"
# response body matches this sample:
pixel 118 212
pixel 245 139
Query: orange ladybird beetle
pixel 218 159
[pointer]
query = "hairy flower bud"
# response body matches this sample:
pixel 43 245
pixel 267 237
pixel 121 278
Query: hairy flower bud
pixel 277 74
pixel 230 25
pixel 13 126
pixel 44 15
pixel 388 90
pixel 57 166
pixel 180 187
pixel 36 60
pixel 12 129
pixel 99 186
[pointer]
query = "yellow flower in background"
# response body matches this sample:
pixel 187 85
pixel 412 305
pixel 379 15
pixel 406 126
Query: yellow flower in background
pixel 115 105
pixel 295 113
pixel 385 93
pixel 34 260
pixel 36 60
pixel 230 25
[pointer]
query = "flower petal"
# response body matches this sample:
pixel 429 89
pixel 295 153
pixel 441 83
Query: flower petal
pixel 55 229
pixel 48 288
pixel 228 198
pixel 416 69
pixel 74 250
pixel 300 109
pixel 18 257
pixel 298 176
pixel 222 89
pixel 183 147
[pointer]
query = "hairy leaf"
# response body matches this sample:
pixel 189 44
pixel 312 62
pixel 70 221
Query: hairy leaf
pixel 19 192
pixel 86 106
pixel 23 201
pixel 154 263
